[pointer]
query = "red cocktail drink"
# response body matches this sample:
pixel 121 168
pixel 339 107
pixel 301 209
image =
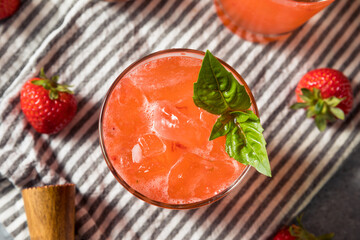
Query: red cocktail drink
pixel 266 20
pixel 155 140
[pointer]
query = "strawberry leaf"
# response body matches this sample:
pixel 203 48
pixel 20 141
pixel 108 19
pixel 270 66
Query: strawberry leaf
pixel 42 74
pixel 306 99
pixel 64 88
pixel 337 112
pixel 320 123
pixel 300 233
pixel 55 78
pixel 296 106
pixel 54 95
pixel 333 101
pixel 319 106
pixel 328 236
pixel 310 112
pixel 306 94
pixel 42 82
pixel 323 110
pixel 316 93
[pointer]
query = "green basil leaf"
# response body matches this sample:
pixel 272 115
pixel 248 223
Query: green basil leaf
pixel 245 116
pixel 245 142
pixel 221 126
pixel 217 90
pixel 235 142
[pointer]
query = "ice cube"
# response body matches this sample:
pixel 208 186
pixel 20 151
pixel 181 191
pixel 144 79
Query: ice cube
pixel 151 145
pixel 136 153
pixel 194 177
pixel 148 145
pixel 122 116
pixel 170 123
pixel 164 72
pixel 167 78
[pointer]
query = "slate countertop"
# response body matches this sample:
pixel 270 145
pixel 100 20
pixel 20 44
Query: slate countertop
pixel 336 207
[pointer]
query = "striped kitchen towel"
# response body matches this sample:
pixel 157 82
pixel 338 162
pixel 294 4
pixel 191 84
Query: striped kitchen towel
pixel 88 43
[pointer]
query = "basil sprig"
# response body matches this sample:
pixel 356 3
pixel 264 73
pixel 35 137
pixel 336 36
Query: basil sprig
pixel 218 92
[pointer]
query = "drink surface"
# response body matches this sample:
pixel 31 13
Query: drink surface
pixel 270 16
pixel 157 139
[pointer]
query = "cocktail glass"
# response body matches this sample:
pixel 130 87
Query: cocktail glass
pixel 266 20
pixel 113 165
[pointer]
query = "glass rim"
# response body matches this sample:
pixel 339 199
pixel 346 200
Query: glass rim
pixel 117 175
pixel 312 1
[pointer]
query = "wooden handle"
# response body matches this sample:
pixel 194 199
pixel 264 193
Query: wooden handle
pixel 50 211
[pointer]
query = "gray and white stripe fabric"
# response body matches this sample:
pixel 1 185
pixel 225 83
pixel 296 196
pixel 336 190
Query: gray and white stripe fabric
pixel 89 43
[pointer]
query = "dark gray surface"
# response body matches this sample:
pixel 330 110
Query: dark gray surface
pixel 336 208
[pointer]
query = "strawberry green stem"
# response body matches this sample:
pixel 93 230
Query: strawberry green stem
pixel 323 110
pixel 51 85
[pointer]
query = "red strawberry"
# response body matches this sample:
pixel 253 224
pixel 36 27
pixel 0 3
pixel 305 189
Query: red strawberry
pixel 8 8
pixel 295 232
pixel 284 234
pixel 326 95
pixel 47 105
